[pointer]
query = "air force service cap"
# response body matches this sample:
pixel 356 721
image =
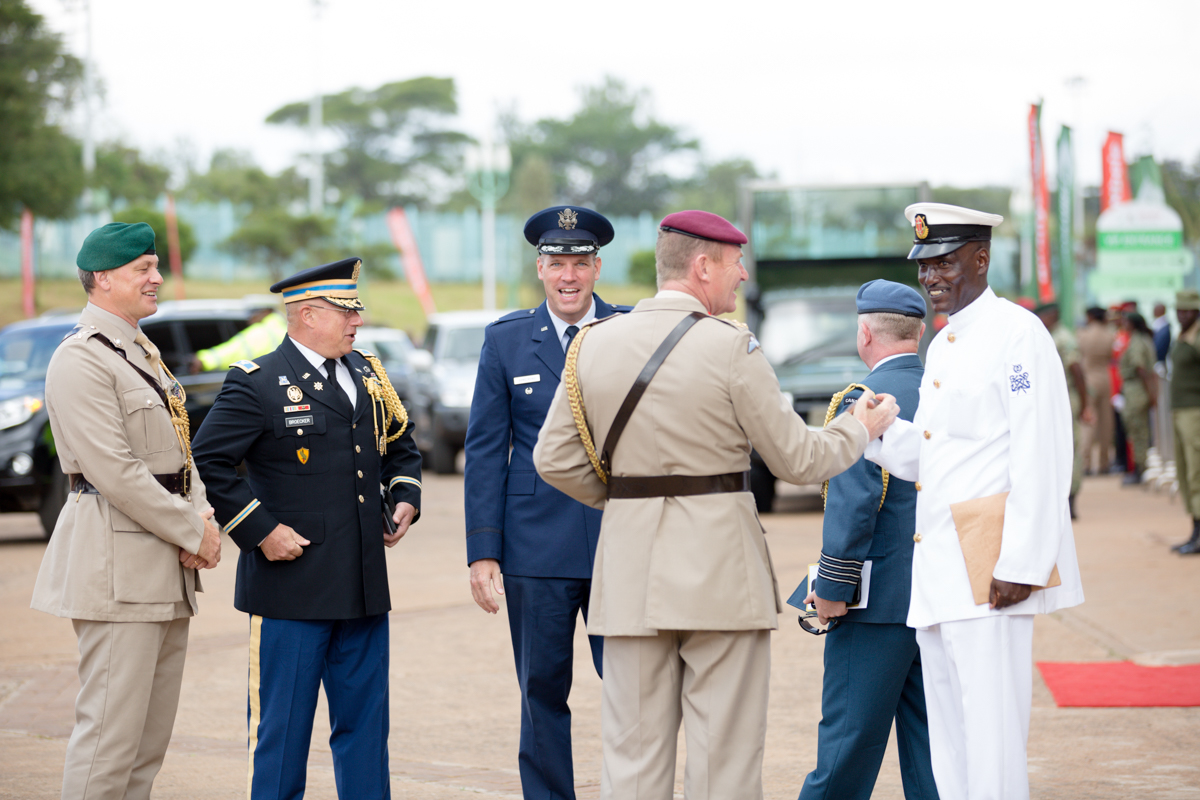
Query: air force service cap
pixel 568 230
pixel 889 297
pixel 336 283
pixel 115 245
pixel 702 225
pixel 939 228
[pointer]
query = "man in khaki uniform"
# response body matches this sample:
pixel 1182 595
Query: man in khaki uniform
pixel 1095 344
pixel 683 588
pixel 1068 353
pixel 1185 411
pixel 122 562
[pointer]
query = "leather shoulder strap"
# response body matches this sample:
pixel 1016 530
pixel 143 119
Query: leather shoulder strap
pixel 639 386
pixel 145 375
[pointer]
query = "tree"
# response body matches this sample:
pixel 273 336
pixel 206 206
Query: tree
pixel 126 175
pixel 393 152
pixel 1182 189
pixel 233 176
pixel 274 237
pixel 716 187
pixel 158 221
pixel 609 155
pixel 39 164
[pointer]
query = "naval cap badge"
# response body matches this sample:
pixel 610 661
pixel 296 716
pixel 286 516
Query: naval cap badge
pixel 920 225
pixel 567 219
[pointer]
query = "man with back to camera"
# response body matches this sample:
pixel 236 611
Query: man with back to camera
pixel 523 535
pixel 1095 343
pixel 122 562
pixel 328 449
pixel 991 446
pixel 872 663
pixel 683 589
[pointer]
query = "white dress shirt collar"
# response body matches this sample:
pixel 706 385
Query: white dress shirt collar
pixel 561 325
pixel 343 377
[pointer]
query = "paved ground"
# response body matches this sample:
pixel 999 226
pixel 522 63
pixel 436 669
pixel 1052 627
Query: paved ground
pixel 454 700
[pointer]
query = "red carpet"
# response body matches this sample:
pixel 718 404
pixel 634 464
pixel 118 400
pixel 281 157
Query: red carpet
pixel 1109 684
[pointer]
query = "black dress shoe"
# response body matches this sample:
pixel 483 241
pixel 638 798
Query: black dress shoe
pixel 1071 505
pixel 1132 478
pixel 1189 548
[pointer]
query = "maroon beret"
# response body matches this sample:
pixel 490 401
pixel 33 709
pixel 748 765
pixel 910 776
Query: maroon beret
pixel 702 225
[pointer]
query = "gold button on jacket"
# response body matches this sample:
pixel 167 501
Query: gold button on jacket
pixel 916 537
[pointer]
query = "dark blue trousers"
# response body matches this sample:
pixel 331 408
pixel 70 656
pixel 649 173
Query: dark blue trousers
pixel 872 675
pixel 541 617
pixel 289 660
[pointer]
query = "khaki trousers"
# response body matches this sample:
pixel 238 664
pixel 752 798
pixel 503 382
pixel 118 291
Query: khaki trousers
pixel 129 675
pixel 1187 457
pixel 717 682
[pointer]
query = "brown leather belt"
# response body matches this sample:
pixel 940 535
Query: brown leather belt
pixel 173 482
pixel 676 485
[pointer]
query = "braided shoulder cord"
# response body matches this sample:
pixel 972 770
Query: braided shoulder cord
pixel 384 402
pixel 575 397
pixel 179 416
pixel 834 402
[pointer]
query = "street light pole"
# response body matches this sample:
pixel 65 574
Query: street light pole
pixel 316 178
pixel 487 180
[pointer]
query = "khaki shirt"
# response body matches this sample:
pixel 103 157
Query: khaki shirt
pixel 1095 343
pixel 114 556
pixel 684 563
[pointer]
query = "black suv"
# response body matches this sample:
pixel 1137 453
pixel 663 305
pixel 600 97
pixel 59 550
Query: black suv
pixel 30 479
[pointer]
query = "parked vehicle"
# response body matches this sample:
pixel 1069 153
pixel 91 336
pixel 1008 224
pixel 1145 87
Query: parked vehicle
pixel 30 478
pixel 395 350
pixel 444 382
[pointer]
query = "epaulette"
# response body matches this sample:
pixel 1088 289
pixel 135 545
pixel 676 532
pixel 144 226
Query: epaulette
pixel 522 314
pixel 245 365
pixel 365 353
pixel 598 320
pixel 621 309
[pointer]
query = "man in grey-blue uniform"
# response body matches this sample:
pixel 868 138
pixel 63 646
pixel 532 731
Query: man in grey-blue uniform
pixel 540 540
pixel 872 663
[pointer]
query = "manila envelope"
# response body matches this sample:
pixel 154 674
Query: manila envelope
pixel 980 525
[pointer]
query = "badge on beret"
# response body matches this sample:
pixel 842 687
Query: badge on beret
pixel 294 394
pixel 302 454
pixel 921 227
pixel 567 219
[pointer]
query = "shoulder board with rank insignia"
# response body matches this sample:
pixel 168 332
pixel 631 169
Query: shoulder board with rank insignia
pixel 245 366
pixel 365 353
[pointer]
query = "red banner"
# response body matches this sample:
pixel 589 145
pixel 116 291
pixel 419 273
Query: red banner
pixel 27 303
pixel 174 256
pixel 414 270
pixel 1041 206
pixel 1115 189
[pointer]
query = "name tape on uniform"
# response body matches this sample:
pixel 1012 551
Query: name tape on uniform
pixel 294 422
pixel 527 379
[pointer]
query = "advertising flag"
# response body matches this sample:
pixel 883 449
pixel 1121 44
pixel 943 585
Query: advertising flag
pixel 1115 189
pixel 1041 207
pixel 1066 224
pixel 414 269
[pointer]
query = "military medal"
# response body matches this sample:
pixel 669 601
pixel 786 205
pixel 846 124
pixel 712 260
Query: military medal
pixel 294 394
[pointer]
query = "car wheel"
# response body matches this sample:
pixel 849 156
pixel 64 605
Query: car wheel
pixel 762 486
pixel 442 456
pixel 54 496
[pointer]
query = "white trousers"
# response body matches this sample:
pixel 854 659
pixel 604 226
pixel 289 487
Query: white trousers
pixel 978 689
pixel 717 682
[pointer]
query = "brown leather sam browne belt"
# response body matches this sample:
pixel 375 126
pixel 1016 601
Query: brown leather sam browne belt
pixel 676 485
pixel 173 482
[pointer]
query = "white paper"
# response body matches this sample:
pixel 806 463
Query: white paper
pixel 864 594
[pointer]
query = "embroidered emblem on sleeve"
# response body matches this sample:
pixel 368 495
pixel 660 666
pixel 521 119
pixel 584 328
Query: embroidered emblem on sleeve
pixel 1018 382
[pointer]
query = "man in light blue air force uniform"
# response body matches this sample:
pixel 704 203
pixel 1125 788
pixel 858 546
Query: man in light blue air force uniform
pixel 872 663
pixel 542 542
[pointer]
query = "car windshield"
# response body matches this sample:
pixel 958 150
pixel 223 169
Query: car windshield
pixel 802 331
pixel 460 344
pixel 25 354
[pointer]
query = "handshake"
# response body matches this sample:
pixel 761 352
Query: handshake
pixel 876 412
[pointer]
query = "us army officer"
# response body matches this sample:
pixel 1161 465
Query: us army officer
pixel 122 562
pixel 683 589
pixel 542 541
pixel 320 430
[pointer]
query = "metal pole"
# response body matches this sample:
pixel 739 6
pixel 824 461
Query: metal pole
pixel 316 178
pixel 489 251
pixel 89 142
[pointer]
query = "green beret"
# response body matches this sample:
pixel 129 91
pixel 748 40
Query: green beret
pixel 115 245
pixel 1187 300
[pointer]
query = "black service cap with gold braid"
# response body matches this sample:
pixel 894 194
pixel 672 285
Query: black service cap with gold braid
pixel 336 283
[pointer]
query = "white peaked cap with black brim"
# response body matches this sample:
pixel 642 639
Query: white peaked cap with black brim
pixel 939 228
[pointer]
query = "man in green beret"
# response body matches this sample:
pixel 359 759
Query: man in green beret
pixel 122 562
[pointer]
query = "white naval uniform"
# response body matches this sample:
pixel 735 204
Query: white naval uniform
pixel 994 417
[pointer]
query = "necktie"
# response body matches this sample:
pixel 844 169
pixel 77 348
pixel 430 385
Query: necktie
pixel 152 354
pixel 571 331
pixel 335 387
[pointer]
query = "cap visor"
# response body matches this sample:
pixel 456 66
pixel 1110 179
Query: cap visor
pixel 933 250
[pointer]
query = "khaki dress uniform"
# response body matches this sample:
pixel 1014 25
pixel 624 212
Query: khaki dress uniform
pixel 683 589
pixel 1068 353
pixel 1136 414
pixel 112 565
pixel 1095 344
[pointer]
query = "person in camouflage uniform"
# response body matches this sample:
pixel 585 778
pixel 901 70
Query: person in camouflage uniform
pixel 1140 390
pixel 1068 353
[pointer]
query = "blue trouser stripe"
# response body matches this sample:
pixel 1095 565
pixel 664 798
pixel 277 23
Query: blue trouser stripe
pixel 350 657
pixel 872 676
pixel 541 617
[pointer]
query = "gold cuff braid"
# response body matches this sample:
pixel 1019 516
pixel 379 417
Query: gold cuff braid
pixel 834 402
pixel 385 404
pixel 575 397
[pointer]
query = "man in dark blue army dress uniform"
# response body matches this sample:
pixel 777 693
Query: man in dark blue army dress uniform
pixel 321 432
pixel 872 663
pixel 542 541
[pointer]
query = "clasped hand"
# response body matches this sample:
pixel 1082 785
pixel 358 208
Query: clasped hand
pixel 876 412
pixel 209 553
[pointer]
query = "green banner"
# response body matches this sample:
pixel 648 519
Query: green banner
pixel 1066 226
pixel 1139 240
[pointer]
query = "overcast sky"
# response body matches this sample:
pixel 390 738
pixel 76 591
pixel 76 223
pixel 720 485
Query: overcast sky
pixel 816 92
